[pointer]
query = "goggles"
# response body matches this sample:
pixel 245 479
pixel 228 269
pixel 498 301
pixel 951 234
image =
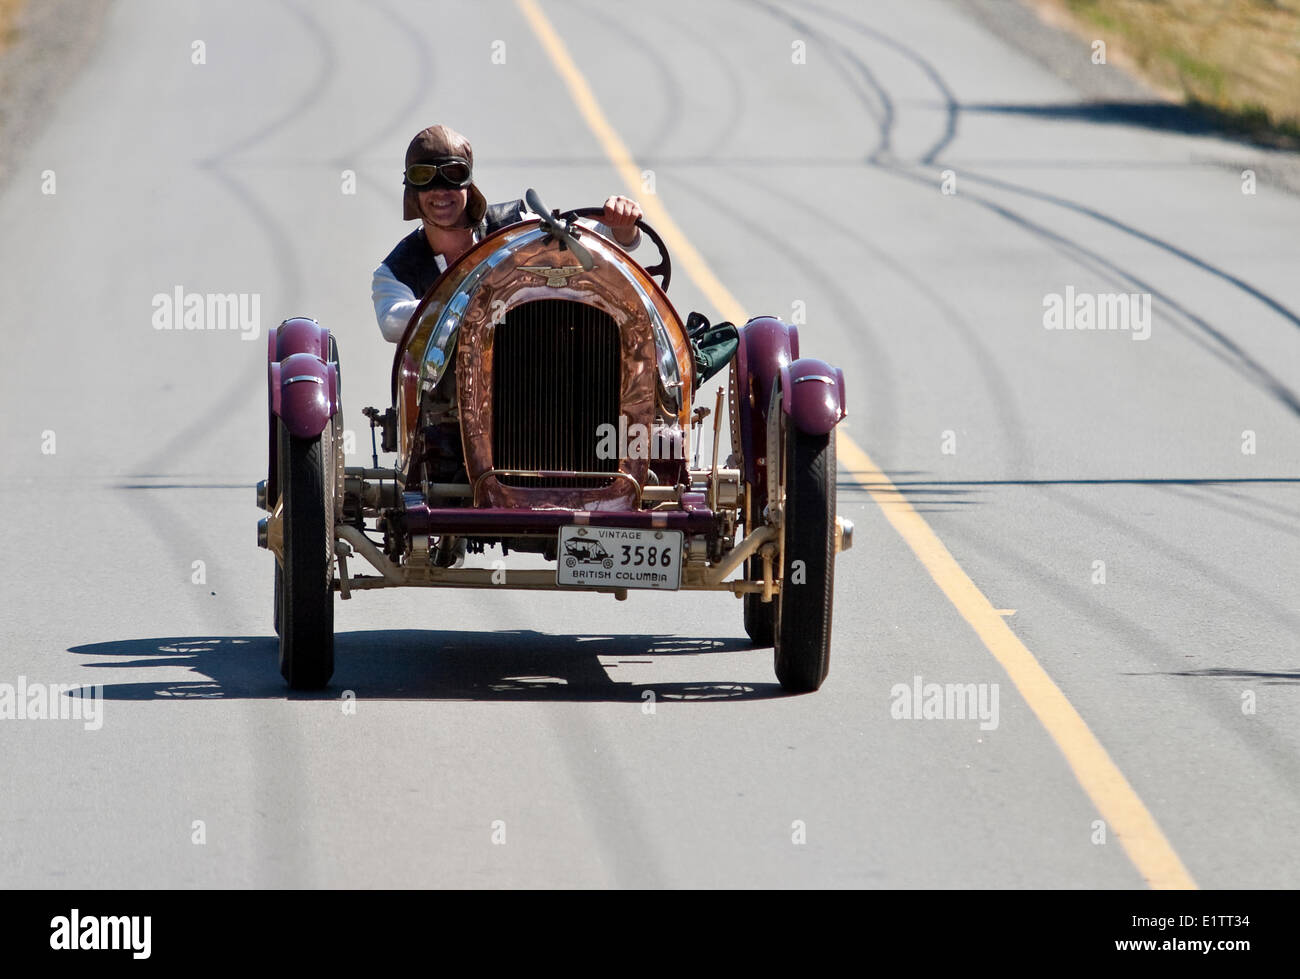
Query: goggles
pixel 452 173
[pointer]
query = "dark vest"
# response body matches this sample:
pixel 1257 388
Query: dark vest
pixel 412 262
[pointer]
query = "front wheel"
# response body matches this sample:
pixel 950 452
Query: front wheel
pixel 306 606
pixel 803 608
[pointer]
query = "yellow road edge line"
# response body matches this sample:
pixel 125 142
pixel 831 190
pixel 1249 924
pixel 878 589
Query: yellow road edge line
pixel 1116 800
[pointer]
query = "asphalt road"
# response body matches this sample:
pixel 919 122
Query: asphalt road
pixel 502 738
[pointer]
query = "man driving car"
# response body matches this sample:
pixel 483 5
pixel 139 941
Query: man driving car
pixel 454 215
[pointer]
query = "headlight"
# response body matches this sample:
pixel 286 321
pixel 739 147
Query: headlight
pixel 670 377
pixel 437 352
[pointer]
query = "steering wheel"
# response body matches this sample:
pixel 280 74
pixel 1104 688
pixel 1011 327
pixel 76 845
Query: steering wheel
pixel 665 266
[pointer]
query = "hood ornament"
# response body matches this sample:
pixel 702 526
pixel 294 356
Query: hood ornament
pixel 564 231
pixel 554 276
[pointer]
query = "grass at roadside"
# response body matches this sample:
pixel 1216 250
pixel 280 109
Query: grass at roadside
pixel 1239 59
pixel 9 10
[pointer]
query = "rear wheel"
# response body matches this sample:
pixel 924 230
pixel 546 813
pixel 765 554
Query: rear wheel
pixel 803 608
pixel 306 606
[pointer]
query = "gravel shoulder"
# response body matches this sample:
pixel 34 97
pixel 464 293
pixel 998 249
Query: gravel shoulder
pixel 51 41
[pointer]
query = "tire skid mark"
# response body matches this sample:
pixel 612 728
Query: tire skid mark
pixel 1224 347
pixel 882 395
pixel 283 256
pixel 247 383
pixel 739 103
pixel 993 377
pixel 1205 496
pixel 1214 341
pixel 312 93
pixel 884 115
pixel 424 83
pixel 952 107
pixel 1289 618
pixel 1155 241
pixel 671 111
pixel 994 380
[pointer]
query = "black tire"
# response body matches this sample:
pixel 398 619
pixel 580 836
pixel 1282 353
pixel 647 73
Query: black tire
pixel 803 615
pixel 307 606
pixel 760 617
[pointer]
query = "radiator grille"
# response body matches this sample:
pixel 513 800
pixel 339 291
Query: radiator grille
pixel 556 380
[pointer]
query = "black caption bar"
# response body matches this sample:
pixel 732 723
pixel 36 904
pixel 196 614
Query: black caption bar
pixel 143 929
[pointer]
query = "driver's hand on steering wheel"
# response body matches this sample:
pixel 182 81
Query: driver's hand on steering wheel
pixel 621 215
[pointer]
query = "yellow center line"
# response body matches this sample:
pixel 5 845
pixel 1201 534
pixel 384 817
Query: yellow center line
pixel 1116 801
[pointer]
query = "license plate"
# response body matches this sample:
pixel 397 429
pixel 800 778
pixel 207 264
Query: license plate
pixel 611 557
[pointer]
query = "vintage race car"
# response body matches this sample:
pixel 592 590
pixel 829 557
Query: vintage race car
pixel 542 403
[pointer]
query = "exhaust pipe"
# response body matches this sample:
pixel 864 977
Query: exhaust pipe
pixel 843 533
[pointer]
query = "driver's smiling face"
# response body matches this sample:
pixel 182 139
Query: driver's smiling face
pixel 443 207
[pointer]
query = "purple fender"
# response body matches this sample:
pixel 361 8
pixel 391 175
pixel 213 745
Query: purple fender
pixel 302 385
pixel 812 395
pixel 767 346
pixel 300 336
pixel 304 393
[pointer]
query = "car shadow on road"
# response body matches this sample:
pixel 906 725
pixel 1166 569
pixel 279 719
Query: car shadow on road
pixel 413 664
